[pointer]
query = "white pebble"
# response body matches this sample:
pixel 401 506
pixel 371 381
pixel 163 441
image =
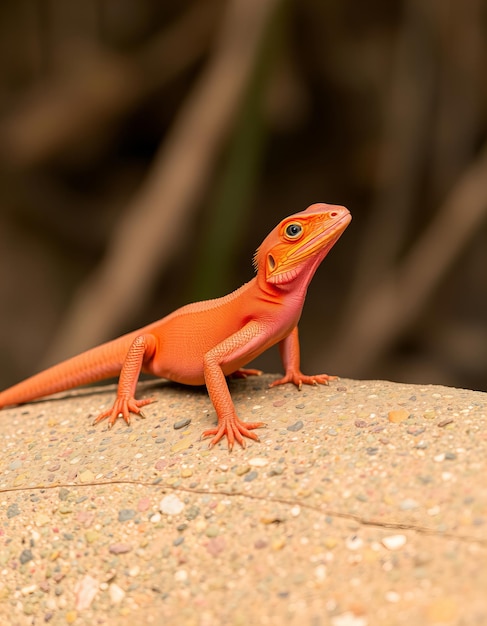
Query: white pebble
pixel 434 510
pixel 181 576
pixel 116 593
pixel 25 591
pixel 392 596
pixel 155 518
pixel 408 504
pixel 320 572
pixel 171 505
pixel 296 510
pixel 258 461
pixel 86 590
pixel 394 542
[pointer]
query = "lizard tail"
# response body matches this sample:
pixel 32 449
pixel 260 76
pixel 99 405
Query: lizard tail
pixel 97 364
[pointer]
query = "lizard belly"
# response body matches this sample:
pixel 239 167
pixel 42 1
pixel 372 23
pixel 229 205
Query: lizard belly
pixel 182 347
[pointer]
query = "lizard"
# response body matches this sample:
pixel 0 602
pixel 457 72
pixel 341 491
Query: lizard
pixel 204 342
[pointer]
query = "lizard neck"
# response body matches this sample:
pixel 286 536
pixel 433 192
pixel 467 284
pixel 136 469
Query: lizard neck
pixel 292 293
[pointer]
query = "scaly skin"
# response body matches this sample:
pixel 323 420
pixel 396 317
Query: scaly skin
pixel 201 343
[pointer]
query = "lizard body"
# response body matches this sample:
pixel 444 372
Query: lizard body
pixel 203 342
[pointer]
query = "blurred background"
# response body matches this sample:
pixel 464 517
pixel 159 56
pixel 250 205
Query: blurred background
pixel 147 148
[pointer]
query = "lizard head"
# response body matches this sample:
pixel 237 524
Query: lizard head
pixel 299 243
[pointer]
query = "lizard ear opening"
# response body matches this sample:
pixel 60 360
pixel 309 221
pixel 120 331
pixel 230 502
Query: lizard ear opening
pixel 271 262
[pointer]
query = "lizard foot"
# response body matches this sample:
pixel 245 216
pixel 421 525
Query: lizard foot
pixel 299 379
pixel 234 429
pixel 245 373
pixel 122 407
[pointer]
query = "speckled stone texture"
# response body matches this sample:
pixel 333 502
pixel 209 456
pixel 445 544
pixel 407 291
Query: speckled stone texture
pixel 364 504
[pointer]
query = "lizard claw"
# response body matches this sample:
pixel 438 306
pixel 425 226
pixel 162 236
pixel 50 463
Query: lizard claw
pixel 234 429
pixel 299 379
pixel 123 407
pixel 245 373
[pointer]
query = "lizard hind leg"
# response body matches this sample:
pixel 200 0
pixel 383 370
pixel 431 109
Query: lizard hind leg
pixel 245 372
pixel 299 379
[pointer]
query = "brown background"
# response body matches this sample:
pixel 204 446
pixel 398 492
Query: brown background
pixel 147 148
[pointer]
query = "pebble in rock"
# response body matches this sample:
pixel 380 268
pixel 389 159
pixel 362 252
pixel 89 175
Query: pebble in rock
pixel 240 470
pixel 216 545
pixel 86 590
pixel 182 423
pixel 394 542
pixel 116 593
pixel 250 476
pixel 86 477
pixel 192 513
pixel 171 505
pixel 398 416
pixel 277 470
pixel 258 461
pixel 296 426
pixel 120 548
pixel 408 504
pixel 445 422
pixel 26 556
pixel 143 504
pixel 13 510
pixel 124 515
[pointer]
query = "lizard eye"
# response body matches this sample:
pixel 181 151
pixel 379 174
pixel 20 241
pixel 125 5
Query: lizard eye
pixel 293 230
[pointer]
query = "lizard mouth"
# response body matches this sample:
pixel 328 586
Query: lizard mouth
pixel 323 240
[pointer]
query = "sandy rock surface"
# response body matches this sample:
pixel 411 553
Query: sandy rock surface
pixel 364 504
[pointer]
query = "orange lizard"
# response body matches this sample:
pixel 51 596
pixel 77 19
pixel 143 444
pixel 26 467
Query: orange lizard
pixel 201 343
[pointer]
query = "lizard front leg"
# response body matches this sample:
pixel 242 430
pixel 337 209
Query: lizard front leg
pixel 289 350
pixel 234 348
pixel 143 348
